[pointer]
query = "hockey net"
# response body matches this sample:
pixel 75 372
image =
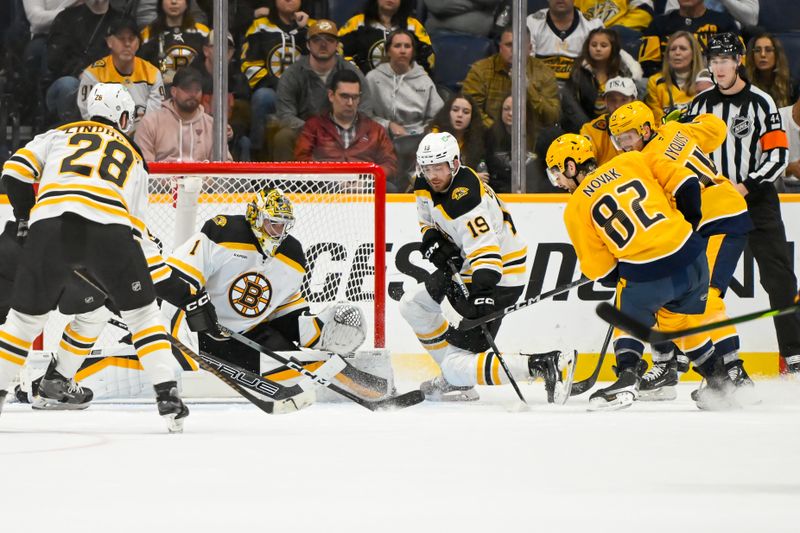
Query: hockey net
pixel 340 221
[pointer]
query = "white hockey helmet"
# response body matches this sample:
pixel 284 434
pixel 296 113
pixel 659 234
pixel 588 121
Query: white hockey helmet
pixel 111 101
pixel 438 148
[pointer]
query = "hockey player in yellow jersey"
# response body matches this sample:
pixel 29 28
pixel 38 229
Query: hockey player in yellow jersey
pixel 92 194
pixel 465 225
pixel 625 227
pixel 725 223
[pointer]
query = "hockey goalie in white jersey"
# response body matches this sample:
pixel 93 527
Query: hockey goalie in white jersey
pixel 464 224
pixel 246 271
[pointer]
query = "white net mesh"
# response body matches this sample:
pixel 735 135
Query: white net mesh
pixel 335 223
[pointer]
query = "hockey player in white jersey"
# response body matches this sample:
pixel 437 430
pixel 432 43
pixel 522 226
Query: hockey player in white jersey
pixel 464 223
pixel 92 195
pixel 246 271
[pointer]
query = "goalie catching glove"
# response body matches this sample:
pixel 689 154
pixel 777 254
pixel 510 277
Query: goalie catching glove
pixel 200 313
pixel 438 250
pixel 343 328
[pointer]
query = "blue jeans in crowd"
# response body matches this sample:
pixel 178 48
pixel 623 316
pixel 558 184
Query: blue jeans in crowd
pixel 62 99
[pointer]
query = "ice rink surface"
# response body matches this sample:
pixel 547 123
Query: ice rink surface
pixel 431 468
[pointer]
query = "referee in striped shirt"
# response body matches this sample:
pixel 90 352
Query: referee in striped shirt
pixel 753 155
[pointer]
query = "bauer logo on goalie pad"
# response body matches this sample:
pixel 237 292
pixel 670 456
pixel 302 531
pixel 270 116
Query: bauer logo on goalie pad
pixel 250 294
pixel 459 193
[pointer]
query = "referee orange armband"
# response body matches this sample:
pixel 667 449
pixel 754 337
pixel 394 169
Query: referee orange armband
pixel 774 139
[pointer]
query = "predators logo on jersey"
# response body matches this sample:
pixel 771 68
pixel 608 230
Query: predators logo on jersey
pixel 250 294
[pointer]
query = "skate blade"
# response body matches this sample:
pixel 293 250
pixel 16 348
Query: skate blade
pixel 563 389
pixel 40 404
pixel 623 400
pixel 663 394
pixel 454 396
pixel 174 425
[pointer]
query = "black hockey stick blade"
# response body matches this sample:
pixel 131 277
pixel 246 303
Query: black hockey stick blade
pixel 620 320
pixel 583 386
pixel 400 401
pixel 470 323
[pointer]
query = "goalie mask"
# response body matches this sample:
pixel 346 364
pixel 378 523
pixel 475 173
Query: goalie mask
pixel 271 217
pixel 112 102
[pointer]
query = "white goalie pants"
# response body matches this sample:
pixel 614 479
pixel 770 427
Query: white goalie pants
pixel 460 367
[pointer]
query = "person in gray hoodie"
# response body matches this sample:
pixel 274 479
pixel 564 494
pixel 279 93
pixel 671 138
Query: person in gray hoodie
pixel 404 98
pixel 303 87
pixel 181 130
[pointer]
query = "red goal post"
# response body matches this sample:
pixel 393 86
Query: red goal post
pixel 340 211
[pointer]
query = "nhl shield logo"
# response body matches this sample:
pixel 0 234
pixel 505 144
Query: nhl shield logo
pixel 741 126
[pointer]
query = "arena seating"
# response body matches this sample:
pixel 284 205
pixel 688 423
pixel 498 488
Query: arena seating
pixel 779 15
pixel 455 52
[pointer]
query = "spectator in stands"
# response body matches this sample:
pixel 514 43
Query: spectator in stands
pixel 704 80
pixel 692 16
pixel 302 89
pixel 557 35
pixel 77 39
pixel 488 82
pixel 273 43
pixel 404 98
pixel 238 100
pixel 744 11
pixel 147 12
pixel 618 92
pixel 342 133
pixel 791 119
pixel 498 149
pixel 174 39
pixel 768 69
pixel 181 130
pixel 601 59
pixel 121 66
pixel 475 17
pixel 460 117
pixel 674 87
pixel 363 36
pixel 619 14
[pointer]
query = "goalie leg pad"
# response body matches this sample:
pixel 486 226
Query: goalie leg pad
pixel 344 328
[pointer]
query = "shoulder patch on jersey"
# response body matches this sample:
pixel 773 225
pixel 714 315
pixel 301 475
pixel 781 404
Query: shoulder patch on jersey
pixel 741 126
pixel 293 250
pixel 220 220
pixel 600 124
pixel 236 229
pixel 459 193
pixel 774 119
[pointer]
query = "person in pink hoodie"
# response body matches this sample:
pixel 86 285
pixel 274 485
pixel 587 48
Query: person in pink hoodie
pixel 181 130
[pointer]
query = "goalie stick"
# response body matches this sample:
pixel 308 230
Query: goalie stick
pixel 469 323
pixel 582 386
pixel 282 399
pixel 620 320
pixel 396 402
pixel 463 287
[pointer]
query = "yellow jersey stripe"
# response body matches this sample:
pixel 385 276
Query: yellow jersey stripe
pixel 484 250
pixel 147 332
pixel 85 201
pixel 150 348
pixel 12 358
pixel 71 349
pixel 187 269
pixel 75 335
pixel 522 252
pixel 19 171
pixel 479 369
pixel 290 262
pixel 435 333
pixel 238 246
pixel 30 157
pixel 16 341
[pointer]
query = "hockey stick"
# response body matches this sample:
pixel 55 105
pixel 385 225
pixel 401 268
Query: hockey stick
pixel 469 323
pixel 463 287
pixel 282 399
pixel 397 402
pixel 582 386
pixel 620 320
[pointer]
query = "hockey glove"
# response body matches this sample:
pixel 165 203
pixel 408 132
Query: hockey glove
pixel 200 313
pixel 438 250
pixel 22 231
pixel 481 301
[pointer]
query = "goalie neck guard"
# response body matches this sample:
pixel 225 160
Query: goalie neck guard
pixel 271 217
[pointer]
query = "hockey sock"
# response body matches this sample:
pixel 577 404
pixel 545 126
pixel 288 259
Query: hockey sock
pixel 16 337
pixel 728 349
pixel 78 339
pixel 149 335
pixel 702 357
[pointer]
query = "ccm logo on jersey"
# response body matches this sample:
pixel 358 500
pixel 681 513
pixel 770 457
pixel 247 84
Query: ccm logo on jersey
pixel 459 193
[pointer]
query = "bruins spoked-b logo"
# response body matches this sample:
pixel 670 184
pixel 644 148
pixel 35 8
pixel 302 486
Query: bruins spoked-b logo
pixel 250 294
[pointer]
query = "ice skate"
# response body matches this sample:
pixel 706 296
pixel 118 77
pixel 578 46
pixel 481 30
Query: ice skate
pixel 792 364
pixel 2 399
pixel 550 366
pixel 56 392
pixel 717 392
pixel 683 363
pixel 170 406
pixel 439 390
pixel 745 389
pixel 621 394
pixel 660 382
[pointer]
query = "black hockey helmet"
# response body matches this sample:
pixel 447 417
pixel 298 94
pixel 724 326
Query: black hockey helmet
pixel 724 44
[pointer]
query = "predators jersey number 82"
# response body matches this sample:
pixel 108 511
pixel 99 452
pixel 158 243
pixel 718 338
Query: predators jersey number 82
pixel 615 219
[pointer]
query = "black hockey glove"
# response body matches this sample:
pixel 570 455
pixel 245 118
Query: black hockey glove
pixel 481 301
pixel 22 231
pixel 200 313
pixel 438 250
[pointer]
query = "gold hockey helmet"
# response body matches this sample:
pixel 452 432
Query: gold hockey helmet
pixel 633 116
pixel 569 146
pixel 271 216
